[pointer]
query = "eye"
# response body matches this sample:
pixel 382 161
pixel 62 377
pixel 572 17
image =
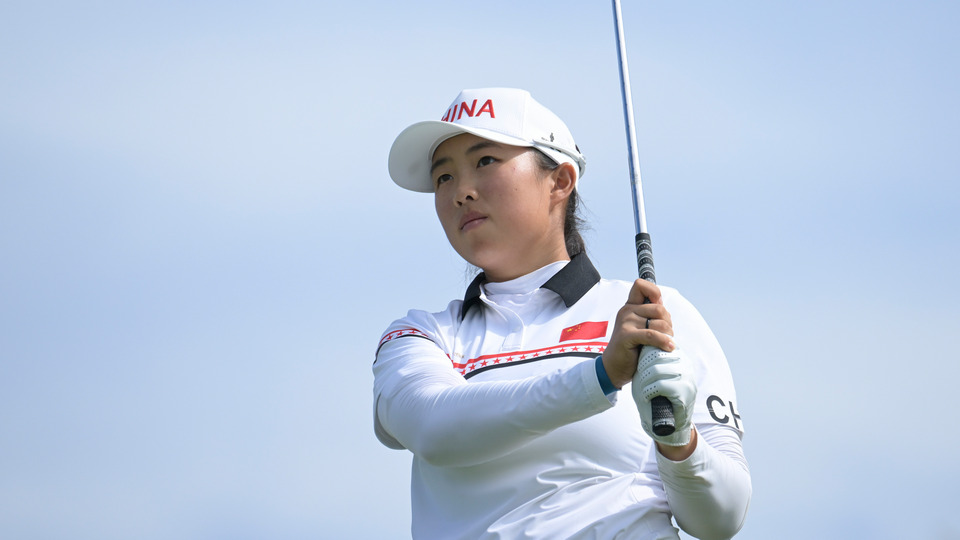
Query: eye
pixel 443 178
pixel 485 160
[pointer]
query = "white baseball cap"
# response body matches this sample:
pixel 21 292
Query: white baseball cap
pixel 503 115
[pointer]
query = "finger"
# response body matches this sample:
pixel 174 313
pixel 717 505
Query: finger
pixel 664 326
pixel 659 340
pixel 643 292
pixel 670 388
pixel 656 364
pixel 646 324
pixel 637 338
pixel 637 315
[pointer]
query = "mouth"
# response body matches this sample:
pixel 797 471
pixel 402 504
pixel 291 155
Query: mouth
pixel 471 220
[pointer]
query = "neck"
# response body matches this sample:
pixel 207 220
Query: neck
pixel 499 275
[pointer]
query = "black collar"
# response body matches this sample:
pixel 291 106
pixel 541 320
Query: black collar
pixel 571 283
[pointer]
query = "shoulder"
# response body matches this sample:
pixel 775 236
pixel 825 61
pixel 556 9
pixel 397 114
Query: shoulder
pixel 681 309
pixel 620 289
pixel 686 318
pixel 435 326
pixel 611 287
pixel 673 298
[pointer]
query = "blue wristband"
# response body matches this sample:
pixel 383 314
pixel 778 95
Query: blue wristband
pixel 605 383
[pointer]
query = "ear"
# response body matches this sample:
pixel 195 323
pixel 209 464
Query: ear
pixel 564 181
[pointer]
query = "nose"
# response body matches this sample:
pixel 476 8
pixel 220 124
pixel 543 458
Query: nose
pixel 466 191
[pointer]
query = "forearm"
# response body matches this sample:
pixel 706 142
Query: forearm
pixel 448 422
pixel 709 492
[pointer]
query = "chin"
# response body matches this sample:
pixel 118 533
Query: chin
pixel 487 264
pixel 492 259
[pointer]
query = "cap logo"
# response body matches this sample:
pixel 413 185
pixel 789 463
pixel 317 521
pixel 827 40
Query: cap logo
pixel 457 111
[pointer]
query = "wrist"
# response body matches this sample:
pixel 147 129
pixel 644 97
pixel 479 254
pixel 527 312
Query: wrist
pixel 618 381
pixel 605 383
pixel 679 453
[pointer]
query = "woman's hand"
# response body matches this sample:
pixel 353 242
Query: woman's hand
pixel 643 320
pixel 668 375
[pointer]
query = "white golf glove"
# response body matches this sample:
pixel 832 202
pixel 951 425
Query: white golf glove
pixel 661 373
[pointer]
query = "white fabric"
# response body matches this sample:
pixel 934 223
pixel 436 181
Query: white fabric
pixel 718 469
pixel 511 434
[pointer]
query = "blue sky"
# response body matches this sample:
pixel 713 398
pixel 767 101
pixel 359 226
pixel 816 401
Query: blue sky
pixel 201 246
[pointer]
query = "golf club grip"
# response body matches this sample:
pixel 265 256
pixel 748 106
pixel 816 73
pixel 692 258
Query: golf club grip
pixel 662 409
pixel 645 258
pixel 663 422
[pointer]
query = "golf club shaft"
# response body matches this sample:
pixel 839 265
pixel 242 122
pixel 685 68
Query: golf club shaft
pixel 663 421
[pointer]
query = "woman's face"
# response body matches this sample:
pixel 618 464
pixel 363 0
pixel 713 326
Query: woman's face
pixel 499 209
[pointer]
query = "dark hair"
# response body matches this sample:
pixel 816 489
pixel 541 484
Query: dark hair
pixel 572 222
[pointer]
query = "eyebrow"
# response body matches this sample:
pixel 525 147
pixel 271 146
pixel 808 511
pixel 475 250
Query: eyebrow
pixel 475 148
pixel 438 163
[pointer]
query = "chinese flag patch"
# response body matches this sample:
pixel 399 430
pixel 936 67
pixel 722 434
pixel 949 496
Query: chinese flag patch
pixel 584 330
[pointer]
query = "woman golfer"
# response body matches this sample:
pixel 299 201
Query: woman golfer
pixel 509 399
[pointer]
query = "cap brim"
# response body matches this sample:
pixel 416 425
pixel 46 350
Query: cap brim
pixel 412 151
